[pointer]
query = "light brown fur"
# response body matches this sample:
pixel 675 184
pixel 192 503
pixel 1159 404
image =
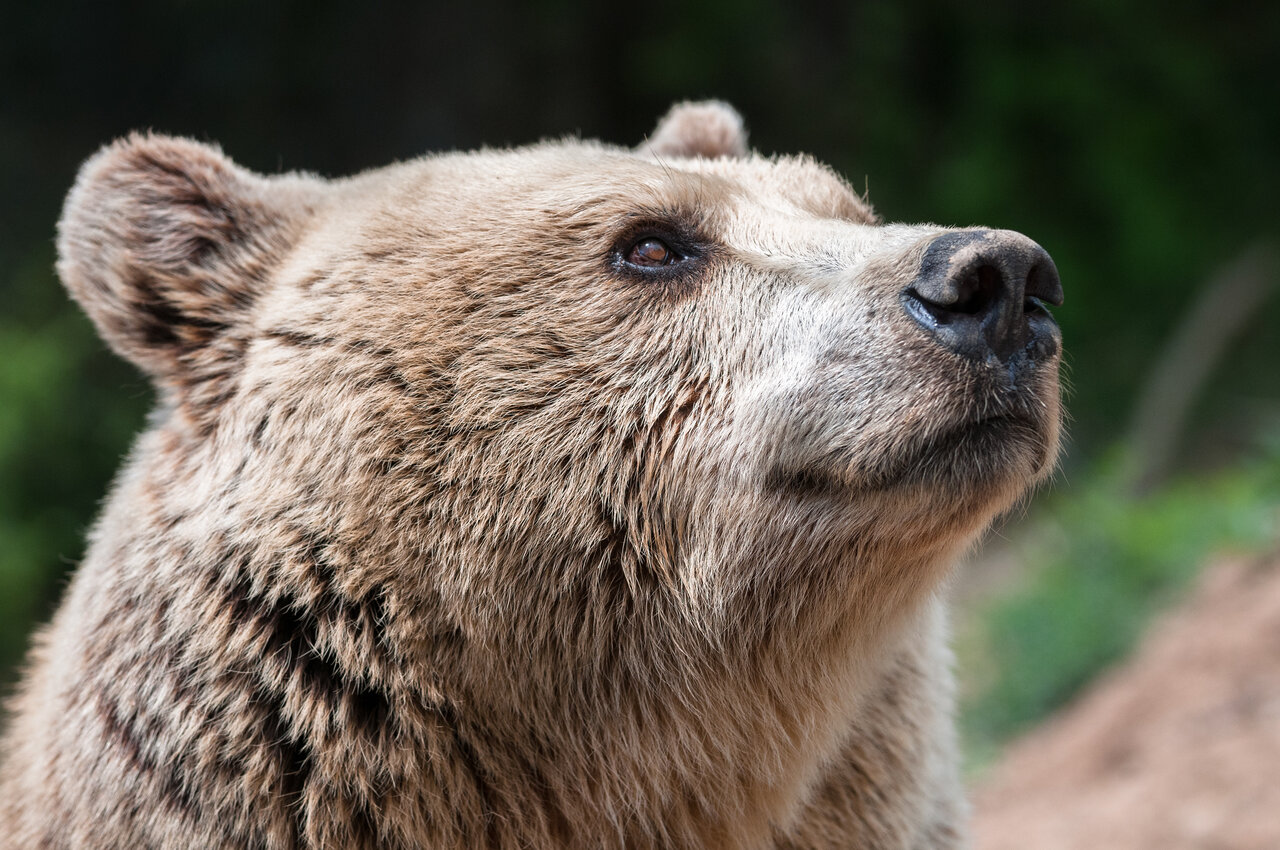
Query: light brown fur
pixel 452 532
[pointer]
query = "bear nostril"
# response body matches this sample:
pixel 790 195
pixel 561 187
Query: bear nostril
pixel 982 294
pixel 1043 284
pixel 974 293
pixel 978 291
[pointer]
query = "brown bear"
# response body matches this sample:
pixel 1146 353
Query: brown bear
pixel 565 496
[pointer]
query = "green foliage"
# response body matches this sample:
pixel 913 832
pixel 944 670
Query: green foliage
pixel 1101 563
pixel 69 410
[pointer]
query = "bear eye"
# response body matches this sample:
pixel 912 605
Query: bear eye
pixel 651 253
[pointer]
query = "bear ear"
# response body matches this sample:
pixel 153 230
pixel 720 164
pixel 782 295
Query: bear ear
pixel 710 129
pixel 166 244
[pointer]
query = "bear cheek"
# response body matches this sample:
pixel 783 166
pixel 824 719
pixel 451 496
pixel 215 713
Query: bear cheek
pixel 814 383
pixel 847 398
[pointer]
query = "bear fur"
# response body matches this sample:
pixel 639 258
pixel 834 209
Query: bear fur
pixel 456 526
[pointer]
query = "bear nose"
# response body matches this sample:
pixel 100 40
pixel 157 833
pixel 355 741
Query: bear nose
pixel 982 294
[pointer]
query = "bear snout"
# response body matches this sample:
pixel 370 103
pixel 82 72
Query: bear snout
pixel 982 294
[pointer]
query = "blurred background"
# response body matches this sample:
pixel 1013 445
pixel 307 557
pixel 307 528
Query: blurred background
pixel 1138 141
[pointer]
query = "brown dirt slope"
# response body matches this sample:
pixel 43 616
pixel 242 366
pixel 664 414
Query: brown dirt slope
pixel 1178 748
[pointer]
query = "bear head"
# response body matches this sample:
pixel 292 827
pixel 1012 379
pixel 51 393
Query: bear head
pixel 582 421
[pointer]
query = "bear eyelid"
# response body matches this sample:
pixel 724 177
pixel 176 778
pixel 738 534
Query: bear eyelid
pixel 651 249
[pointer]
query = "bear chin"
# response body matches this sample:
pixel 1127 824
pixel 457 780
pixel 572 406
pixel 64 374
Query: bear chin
pixel 993 453
pixel 1000 438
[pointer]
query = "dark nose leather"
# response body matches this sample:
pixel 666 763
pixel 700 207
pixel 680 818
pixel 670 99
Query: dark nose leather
pixel 982 295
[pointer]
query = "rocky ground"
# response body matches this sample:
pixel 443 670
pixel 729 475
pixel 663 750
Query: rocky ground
pixel 1177 748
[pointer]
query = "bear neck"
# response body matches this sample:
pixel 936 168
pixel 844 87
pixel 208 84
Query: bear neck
pixel 594 717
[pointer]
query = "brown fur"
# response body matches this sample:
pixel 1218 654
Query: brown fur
pixel 452 531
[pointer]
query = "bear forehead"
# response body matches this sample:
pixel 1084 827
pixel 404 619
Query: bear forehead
pixel 586 181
